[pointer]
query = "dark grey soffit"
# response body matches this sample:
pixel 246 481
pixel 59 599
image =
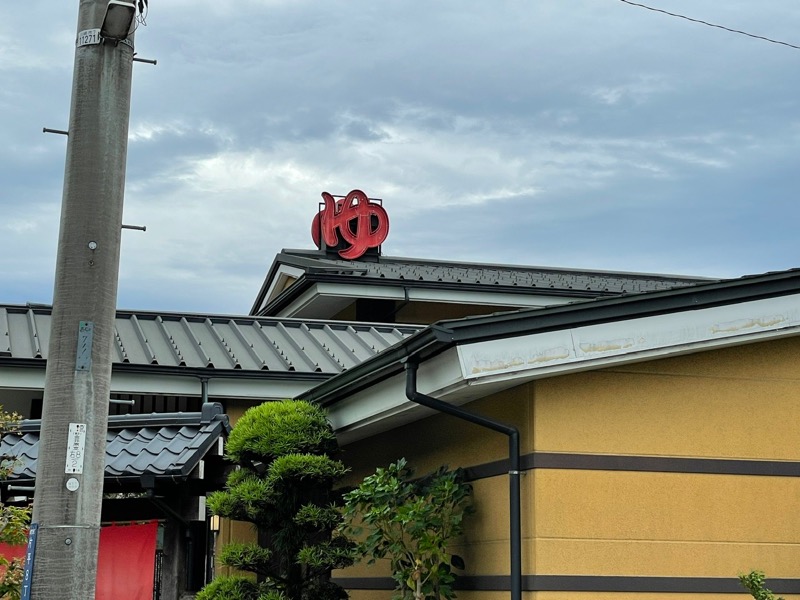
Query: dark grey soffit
pixel 210 342
pixel 163 445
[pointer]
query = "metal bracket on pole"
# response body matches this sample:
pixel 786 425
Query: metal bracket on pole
pixel 149 61
pixel 58 131
pixel 136 227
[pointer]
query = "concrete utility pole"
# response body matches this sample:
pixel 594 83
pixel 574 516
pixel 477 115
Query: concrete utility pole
pixel 69 478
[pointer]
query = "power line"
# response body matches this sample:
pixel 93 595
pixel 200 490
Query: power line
pixel 758 37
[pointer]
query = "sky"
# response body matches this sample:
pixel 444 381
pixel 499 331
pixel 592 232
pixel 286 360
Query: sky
pixel 564 133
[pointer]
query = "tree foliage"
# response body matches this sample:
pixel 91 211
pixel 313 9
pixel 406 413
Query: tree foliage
pixel 14 521
pixel 284 486
pixel 755 583
pixel 411 523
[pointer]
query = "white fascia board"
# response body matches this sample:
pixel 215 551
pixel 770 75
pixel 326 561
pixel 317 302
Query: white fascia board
pixel 423 294
pixel 384 405
pixel 258 389
pixel 349 292
pixel 145 383
pixel 221 387
pixel 471 389
pixel 486 298
pixel 16 378
pixel 283 272
pixel 629 340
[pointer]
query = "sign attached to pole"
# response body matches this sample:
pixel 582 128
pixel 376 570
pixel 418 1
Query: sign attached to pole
pixel 76 446
pixel 30 552
pixel 83 358
pixel 92 37
pixel 88 37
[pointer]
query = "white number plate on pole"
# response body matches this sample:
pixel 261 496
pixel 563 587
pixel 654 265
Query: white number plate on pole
pixel 88 37
pixel 76 445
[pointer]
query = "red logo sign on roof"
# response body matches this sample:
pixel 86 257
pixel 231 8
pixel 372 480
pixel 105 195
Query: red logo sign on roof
pixel 355 220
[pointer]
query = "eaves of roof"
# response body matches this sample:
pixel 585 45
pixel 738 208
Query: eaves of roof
pixel 455 276
pixel 282 258
pixel 446 334
pixel 196 372
pixel 306 281
pixel 165 446
pixel 201 345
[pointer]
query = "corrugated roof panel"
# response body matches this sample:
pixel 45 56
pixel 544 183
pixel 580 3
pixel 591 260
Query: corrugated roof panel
pixel 247 343
pixel 255 354
pixel 291 345
pixel 5 336
pixel 536 278
pixel 129 342
pixel 20 337
pixel 275 359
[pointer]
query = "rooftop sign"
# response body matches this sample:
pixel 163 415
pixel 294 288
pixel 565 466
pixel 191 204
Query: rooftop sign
pixel 351 224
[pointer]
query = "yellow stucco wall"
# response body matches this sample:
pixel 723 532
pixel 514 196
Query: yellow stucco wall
pixel 233 531
pixel 741 402
pixel 737 403
pixel 440 439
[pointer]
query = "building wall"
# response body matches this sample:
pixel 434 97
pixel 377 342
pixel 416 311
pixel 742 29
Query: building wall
pixel 682 471
pixel 229 530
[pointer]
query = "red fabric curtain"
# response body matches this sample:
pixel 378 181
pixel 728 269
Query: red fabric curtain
pixel 126 562
pixel 12 551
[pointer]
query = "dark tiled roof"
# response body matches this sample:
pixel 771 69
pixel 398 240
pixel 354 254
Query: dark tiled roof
pixel 213 342
pixel 486 277
pixel 161 445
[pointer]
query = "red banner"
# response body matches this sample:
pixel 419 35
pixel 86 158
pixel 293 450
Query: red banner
pixel 126 562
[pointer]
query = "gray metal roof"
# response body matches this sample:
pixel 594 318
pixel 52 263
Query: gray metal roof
pixel 475 276
pixel 164 445
pixel 213 342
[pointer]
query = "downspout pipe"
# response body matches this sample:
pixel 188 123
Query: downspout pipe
pixel 515 529
pixel 204 389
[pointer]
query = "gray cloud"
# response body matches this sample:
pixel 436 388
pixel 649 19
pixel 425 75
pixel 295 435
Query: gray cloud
pixel 576 134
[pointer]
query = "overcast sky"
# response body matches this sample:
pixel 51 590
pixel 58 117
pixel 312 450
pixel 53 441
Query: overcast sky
pixel 573 133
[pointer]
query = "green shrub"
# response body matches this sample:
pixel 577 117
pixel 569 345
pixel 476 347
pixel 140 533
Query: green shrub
pixel 411 523
pixel 275 429
pixel 284 486
pixel 229 588
pixel 754 582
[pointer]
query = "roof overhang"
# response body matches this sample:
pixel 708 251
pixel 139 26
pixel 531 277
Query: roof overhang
pixel 467 359
pixel 310 284
pixel 321 299
pixel 179 445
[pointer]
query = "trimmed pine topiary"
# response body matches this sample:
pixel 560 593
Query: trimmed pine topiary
pixel 283 486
